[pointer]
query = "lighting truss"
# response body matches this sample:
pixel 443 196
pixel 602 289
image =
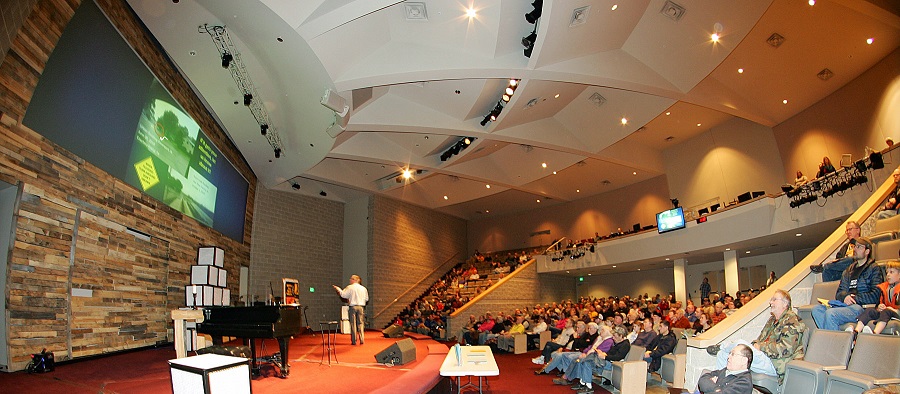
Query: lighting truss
pixel 241 77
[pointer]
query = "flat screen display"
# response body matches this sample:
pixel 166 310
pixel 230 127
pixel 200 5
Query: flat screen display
pixel 672 219
pixel 98 100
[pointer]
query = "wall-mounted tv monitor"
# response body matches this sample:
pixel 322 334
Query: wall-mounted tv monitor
pixel 672 219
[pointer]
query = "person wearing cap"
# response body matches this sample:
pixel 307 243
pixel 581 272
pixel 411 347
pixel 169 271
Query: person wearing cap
pixel 833 269
pixel 858 287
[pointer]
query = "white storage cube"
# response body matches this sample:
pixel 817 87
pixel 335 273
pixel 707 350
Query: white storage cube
pixel 211 256
pixel 206 275
pixel 217 296
pixel 226 297
pixel 204 295
pixel 222 276
pixel 210 374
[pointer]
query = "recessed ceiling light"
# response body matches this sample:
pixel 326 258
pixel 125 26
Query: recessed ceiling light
pixel 784 101
pixel 639 269
pixel 811 2
pixel 446 198
pixel 557 96
pixel 698 124
pixel 487 186
pixel 544 165
pixel 798 234
pixel 624 120
pixel 667 259
pixel 470 12
pixel 748 252
pixel 590 274
pixel 554 172
pixel 667 113
pixel 614 266
pixel 577 190
pixel 870 40
pixel 614 6
pixel 727 249
pixel 407 174
pixel 714 37
pixel 487 211
pixel 740 71
pixel 538 200
pixel 634 173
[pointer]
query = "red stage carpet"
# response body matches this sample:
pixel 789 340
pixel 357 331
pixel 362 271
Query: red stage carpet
pixel 147 371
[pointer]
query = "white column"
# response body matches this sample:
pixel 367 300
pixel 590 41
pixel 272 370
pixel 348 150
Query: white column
pixel 680 282
pixel 732 286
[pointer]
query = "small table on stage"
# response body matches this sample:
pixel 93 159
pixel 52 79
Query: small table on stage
pixel 469 361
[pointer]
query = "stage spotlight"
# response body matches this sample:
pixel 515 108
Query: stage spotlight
pixel 505 98
pixel 226 59
pixel 263 129
pixel 674 202
pixel 535 14
pixel 277 153
pixel 485 121
pixel 528 41
pixel 468 140
pixel 513 82
pixel 296 186
pixel 248 98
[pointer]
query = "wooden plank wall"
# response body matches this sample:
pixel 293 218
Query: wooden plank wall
pixel 69 206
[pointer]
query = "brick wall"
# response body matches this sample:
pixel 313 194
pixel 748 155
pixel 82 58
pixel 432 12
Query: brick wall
pixel 407 243
pixel 71 221
pixel 300 237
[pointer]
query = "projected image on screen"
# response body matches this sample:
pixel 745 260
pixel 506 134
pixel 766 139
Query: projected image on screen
pixel 172 160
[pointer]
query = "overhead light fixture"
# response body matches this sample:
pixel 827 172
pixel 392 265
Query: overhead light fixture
pixel 672 10
pixel 714 37
pixel 323 193
pixel 870 40
pixel 277 153
pixel 407 174
pixel 775 40
pixel 825 74
pixel 459 146
pixel 467 141
pixel 624 121
pixel 740 71
pixel 505 98
pixel 226 59
pixel 535 14
pixel 528 42
pixel 248 99
pixel 295 186
pixel 263 129
pixel 470 12
pixel 597 99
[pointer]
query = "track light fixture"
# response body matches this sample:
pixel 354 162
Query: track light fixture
pixel 231 60
pixel 459 146
pixel 528 43
pixel 507 95
pixel 835 183
pixel 295 186
pixel 535 14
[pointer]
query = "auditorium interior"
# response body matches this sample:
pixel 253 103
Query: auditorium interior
pixel 302 142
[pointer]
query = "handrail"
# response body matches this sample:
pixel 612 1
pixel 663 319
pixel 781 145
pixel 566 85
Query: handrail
pixel 554 244
pixel 414 285
pixel 794 276
pixel 490 289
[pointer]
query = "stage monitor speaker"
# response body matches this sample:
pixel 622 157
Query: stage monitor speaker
pixel 401 352
pixel 877 160
pixel 394 331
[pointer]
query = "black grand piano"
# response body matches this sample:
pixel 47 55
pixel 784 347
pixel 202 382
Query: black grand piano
pixel 251 322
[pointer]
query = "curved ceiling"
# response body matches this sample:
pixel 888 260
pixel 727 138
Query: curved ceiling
pixel 421 76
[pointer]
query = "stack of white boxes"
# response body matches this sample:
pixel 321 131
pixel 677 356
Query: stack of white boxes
pixel 208 280
pixel 207 288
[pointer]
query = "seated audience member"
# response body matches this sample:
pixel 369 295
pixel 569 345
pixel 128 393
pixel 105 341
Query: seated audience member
pixel 832 270
pixel 801 179
pixel 888 304
pixel 663 345
pixel 647 335
pixel 734 378
pixel 890 206
pixel 719 313
pixel 565 337
pixel 506 339
pixel 681 321
pixel 603 343
pixel 779 342
pixel 825 167
pixel 483 329
pixel 467 332
pixel 583 369
pixel 859 286
pixel 702 324
pixel 560 360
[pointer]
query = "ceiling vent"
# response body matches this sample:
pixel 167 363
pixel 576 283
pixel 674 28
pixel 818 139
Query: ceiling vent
pixel 825 74
pixel 597 99
pixel 672 11
pixel 775 40
pixel 579 16
pixel 416 11
pixel 532 102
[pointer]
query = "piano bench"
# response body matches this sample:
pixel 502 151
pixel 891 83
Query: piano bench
pixel 234 351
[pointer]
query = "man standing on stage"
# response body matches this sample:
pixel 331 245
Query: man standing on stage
pixel 356 296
